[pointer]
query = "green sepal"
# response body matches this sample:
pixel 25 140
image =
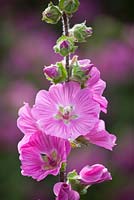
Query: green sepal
pixel 80 32
pixel 65 51
pixel 51 14
pixel 78 75
pixel 72 175
pixel 62 77
pixel 69 6
pixel 62 74
pixel 74 180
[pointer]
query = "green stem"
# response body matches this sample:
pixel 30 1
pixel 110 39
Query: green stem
pixel 65 21
pixel 63 173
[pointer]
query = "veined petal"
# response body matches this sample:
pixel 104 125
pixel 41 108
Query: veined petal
pixel 26 122
pixel 42 155
pixel 101 137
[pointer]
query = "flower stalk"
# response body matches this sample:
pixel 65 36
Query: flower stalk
pixel 67 115
pixel 65 22
pixel 63 175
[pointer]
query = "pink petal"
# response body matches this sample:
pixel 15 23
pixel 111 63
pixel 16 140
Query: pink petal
pixel 94 174
pixel 26 123
pixel 101 137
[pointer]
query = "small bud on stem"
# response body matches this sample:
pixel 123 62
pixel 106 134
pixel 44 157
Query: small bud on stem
pixel 69 6
pixel 51 14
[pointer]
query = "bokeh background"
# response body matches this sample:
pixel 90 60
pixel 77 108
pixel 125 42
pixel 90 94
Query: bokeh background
pixel 25 47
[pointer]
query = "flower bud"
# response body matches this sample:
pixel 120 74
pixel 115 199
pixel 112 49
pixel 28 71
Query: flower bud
pixel 69 6
pixel 81 70
pixel 55 73
pixel 73 179
pixel 51 71
pixel 94 174
pixel 63 191
pixel 64 46
pixel 80 32
pixel 51 14
pixel 85 65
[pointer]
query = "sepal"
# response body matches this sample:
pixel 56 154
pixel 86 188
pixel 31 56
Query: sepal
pixel 80 32
pixel 55 73
pixel 69 6
pixel 51 14
pixel 65 45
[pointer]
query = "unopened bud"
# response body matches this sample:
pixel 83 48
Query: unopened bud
pixel 64 46
pixel 69 6
pixel 51 14
pixel 51 71
pixel 55 73
pixel 85 65
pixel 81 71
pixel 80 32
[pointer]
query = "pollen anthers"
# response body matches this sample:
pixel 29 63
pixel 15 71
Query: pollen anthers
pixel 51 160
pixel 66 113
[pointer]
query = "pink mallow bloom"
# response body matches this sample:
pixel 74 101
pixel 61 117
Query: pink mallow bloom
pixel 63 191
pixel 94 174
pixel 26 122
pixel 99 136
pixel 42 155
pixel 66 110
pixel 97 86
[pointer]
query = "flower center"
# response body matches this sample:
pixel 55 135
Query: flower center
pixel 66 114
pixel 50 161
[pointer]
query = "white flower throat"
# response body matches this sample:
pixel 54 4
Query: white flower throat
pixel 66 114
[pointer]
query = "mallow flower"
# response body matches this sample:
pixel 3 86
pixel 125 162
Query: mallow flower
pixel 42 155
pixel 94 174
pixel 26 121
pixel 63 191
pixel 99 136
pixel 95 84
pixel 89 76
pixel 66 110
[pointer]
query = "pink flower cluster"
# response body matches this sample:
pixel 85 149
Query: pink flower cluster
pixel 58 117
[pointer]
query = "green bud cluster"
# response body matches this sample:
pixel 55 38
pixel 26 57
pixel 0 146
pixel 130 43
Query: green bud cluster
pixel 65 45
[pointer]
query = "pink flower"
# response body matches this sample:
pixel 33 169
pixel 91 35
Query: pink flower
pixel 42 155
pixel 66 110
pixel 94 174
pixel 26 122
pixel 97 86
pixel 63 191
pixel 99 136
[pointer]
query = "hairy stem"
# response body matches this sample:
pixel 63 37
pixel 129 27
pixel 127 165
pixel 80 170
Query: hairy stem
pixel 65 21
pixel 63 173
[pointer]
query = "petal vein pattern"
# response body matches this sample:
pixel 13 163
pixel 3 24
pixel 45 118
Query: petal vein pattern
pixel 66 111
